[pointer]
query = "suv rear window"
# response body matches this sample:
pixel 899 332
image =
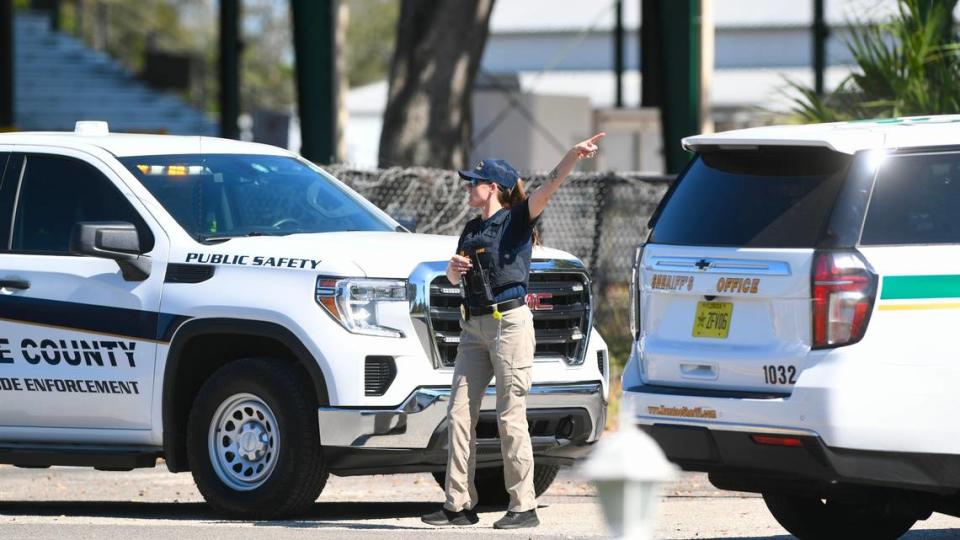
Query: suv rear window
pixel 764 197
pixel 916 200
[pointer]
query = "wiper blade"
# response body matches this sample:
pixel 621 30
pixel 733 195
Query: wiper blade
pixel 224 238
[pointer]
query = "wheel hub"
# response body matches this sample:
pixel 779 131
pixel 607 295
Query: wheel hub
pixel 244 441
pixel 252 442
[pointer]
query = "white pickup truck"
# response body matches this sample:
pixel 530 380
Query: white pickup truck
pixel 240 313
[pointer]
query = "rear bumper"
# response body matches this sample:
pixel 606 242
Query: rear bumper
pixel 565 420
pixel 866 419
pixel 736 462
pixel 855 436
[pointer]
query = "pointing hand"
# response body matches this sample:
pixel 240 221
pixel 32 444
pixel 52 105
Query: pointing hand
pixel 588 148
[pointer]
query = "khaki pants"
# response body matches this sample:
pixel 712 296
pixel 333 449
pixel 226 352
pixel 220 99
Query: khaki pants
pixel 491 348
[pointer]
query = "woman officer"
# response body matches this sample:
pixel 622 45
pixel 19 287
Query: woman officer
pixel 493 255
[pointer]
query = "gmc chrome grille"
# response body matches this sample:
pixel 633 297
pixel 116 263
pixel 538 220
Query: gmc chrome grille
pixel 560 302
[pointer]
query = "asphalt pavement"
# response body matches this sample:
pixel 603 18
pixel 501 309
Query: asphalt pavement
pixel 149 504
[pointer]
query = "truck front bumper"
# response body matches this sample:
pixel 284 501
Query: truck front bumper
pixel 564 419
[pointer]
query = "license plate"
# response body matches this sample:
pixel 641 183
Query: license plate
pixel 713 319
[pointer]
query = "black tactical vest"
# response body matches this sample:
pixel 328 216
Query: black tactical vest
pixel 505 244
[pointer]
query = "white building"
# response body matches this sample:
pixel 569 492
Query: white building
pixel 564 48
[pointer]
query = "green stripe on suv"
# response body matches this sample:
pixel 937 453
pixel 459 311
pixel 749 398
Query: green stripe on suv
pixel 918 287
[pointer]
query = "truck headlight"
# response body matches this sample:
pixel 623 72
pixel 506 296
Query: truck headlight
pixel 358 303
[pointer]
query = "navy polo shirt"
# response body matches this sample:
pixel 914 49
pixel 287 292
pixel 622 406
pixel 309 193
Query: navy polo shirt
pixel 507 238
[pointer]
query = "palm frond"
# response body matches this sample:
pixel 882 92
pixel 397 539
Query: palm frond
pixel 907 66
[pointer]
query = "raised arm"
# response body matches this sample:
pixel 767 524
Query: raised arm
pixel 584 149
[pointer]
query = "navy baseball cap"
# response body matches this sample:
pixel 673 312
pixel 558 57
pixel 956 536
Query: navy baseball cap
pixel 493 170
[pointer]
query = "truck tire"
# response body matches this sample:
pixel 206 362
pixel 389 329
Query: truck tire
pixel 492 490
pixel 810 518
pixel 253 443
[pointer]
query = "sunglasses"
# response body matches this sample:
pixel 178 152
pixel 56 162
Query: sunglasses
pixel 474 182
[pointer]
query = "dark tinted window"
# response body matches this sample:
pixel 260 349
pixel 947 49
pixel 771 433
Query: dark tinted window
pixel 57 192
pixel 769 197
pixel 219 196
pixel 916 200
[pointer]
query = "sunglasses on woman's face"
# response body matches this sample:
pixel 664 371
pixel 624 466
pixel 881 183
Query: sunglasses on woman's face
pixel 474 182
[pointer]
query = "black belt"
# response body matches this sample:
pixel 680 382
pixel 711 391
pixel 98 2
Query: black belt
pixel 506 305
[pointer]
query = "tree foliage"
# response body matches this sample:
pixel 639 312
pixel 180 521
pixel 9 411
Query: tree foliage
pixel 371 35
pixel 907 66
pixel 266 69
pixel 126 30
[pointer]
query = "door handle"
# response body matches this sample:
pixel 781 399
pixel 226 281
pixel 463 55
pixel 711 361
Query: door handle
pixel 20 284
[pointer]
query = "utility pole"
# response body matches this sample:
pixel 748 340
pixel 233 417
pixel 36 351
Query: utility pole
pixel 230 47
pixel 6 65
pixel 651 66
pixel 618 50
pixel 54 15
pixel 671 35
pixel 707 40
pixel 314 35
pixel 820 34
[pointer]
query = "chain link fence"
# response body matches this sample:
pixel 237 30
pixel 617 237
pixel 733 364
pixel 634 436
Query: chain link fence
pixel 598 217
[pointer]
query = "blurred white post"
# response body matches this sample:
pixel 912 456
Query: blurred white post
pixel 629 469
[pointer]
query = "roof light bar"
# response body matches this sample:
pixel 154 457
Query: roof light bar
pixel 91 127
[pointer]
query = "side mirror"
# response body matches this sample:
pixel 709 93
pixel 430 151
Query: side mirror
pixel 116 240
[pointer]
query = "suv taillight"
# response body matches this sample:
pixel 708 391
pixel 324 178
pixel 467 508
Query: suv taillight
pixel 635 293
pixel 844 288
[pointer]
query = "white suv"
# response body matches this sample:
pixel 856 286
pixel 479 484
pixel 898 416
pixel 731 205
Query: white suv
pixel 795 309
pixel 241 313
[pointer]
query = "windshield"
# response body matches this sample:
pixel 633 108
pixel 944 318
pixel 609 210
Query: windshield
pixel 219 196
pixel 769 197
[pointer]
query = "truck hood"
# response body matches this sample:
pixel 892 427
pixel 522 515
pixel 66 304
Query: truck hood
pixel 369 254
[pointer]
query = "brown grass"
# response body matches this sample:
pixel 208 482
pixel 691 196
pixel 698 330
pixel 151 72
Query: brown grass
pixel 613 405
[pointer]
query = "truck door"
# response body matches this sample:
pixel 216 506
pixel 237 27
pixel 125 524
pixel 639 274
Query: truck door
pixel 77 340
